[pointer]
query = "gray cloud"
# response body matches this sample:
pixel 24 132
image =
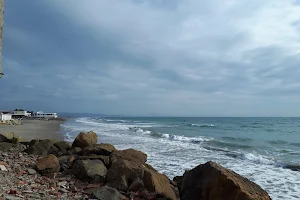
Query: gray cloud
pixel 140 57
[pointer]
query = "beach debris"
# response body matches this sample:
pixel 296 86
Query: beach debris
pixel 31 171
pixel 85 139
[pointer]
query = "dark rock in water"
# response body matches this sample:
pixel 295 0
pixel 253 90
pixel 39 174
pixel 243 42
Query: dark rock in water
pixel 75 151
pixel 90 170
pixel 106 193
pixel 48 165
pixel 136 185
pixel 120 184
pixel 211 181
pixel 158 183
pixel 5 146
pixel 40 147
pixel 104 159
pixel 130 155
pixel 85 139
pixel 62 145
pixel 98 149
pixel 178 181
pixel 130 170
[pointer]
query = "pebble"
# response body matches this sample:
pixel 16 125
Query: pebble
pixel 3 168
pixel 31 171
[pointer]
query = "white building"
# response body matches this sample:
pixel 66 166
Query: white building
pixel 41 114
pixel 21 113
pixel 5 116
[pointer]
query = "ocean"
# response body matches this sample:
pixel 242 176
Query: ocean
pixel 261 149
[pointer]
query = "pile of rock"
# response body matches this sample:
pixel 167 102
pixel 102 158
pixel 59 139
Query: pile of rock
pixel 101 171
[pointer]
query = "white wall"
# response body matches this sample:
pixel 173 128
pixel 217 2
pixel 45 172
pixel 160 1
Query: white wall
pixel 5 116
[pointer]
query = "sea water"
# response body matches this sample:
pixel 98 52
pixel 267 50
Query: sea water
pixel 261 149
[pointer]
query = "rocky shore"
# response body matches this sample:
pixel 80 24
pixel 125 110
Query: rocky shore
pixel 85 169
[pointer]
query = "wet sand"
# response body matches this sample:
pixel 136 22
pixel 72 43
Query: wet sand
pixel 35 129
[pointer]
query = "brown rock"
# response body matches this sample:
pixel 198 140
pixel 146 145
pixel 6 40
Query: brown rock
pixel 130 170
pixel 136 185
pixel 211 181
pixel 158 183
pixel 120 184
pixel 130 155
pixel 47 165
pixel 85 139
pixel 98 149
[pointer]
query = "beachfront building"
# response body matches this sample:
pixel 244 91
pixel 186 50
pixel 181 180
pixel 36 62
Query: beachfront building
pixel 41 114
pixel 5 115
pixel 19 113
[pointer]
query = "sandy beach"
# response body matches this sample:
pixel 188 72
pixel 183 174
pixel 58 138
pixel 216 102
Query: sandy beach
pixel 35 129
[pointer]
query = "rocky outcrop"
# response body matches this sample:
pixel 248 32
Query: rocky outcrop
pixel 3 138
pixel 132 155
pixel 98 149
pixel 211 181
pixel 6 146
pixel 48 165
pixel 85 139
pixel 158 183
pixel 90 170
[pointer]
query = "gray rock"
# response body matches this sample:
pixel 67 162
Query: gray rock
pixel 62 145
pixel 31 171
pixel 40 147
pixel 90 170
pixel 120 184
pixel 5 146
pixel 106 193
pixel 9 197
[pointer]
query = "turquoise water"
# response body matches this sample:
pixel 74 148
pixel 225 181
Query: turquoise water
pixel 262 149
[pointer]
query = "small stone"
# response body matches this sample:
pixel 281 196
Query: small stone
pixel 63 190
pixel 63 183
pixel 31 171
pixel 3 168
pixel 11 198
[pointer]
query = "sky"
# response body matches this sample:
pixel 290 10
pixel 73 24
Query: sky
pixel 152 57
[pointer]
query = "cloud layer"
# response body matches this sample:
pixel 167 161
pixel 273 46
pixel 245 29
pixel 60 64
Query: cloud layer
pixel 142 57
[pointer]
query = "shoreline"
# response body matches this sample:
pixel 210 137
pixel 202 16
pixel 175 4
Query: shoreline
pixel 35 129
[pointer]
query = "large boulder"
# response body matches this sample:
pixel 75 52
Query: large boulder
pixel 135 156
pixel 104 159
pixel 128 169
pixel 98 149
pixel 158 183
pixel 41 147
pixel 85 139
pixel 90 170
pixel 211 181
pixel 106 193
pixel 62 145
pixel 48 165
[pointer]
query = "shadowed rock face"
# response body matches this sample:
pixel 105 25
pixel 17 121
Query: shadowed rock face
pixel 1 32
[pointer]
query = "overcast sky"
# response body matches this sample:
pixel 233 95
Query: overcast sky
pixel 153 57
